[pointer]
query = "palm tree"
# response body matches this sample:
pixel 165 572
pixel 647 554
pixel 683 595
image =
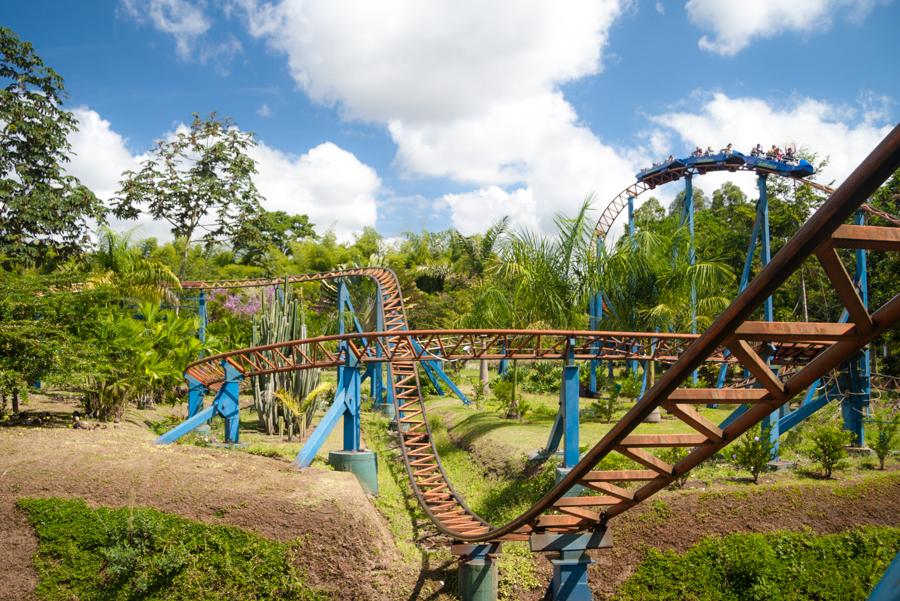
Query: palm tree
pixel 540 281
pixel 650 284
pixel 478 256
pixel 135 276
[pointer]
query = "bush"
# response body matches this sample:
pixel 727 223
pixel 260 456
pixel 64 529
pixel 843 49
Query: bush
pixel 885 424
pixel 673 455
pixel 542 377
pixel 136 553
pixel 753 451
pixel 825 446
pixel 791 566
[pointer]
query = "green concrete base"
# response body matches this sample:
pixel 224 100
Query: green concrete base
pixel 477 576
pixel 362 464
pixel 387 409
pixel 575 491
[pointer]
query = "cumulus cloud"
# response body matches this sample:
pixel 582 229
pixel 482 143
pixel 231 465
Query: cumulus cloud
pixel 843 134
pixel 736 23
pixel 100 154
pixel 327 183
pixel 468 91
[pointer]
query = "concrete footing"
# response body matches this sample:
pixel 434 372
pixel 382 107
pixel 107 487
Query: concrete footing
pixel 386 409
pixel 570 561
pixel 477 575
pixel 362 464
pixel 575 491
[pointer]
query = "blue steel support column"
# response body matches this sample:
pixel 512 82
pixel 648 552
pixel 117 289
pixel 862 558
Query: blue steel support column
pixel 596 316
pixel 568 400
pixel 687 217
pixel 196 390
pixel 770 423
pixel 227 404
pixel 855 405
pixel 350 383
pixel 633 364
pixel 477 575
pixel 571 561
pixel 204 320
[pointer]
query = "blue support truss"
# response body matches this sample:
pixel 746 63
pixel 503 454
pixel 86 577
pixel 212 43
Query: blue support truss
pixel 196 391
pixel 225 405
pixel 566 425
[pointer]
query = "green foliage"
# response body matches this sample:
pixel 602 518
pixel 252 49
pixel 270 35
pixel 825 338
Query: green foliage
pixel 144 554
pixel 776 567
pixel 138 359
pixel 884 424
pixel 753 451
pixel 200 172
pixel 672 455
pixel 825 445
pixel 269 229
pixel 45 214
pixel 542 377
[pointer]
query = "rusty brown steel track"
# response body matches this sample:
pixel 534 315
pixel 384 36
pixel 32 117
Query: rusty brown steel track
pixel 817 349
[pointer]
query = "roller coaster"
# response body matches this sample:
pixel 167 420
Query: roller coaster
pixel 782 359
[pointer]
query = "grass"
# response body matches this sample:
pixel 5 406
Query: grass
pixel 144 554
pixel 778 566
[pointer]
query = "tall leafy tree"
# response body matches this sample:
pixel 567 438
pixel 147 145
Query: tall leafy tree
pixel 269 229
pixel 44 212
pixel 201 178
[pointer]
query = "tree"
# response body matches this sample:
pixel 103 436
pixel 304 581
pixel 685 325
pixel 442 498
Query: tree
pixel 886 423
pixel 204 172
pixel 44 212
pixel 269 229
pixel 753 451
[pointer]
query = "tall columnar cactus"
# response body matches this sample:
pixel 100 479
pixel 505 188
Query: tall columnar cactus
pixel 281 319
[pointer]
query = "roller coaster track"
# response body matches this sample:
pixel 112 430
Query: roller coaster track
pixel 808 350
pixel 618 204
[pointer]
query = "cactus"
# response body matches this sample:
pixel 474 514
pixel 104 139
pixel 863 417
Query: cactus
pixel 279 320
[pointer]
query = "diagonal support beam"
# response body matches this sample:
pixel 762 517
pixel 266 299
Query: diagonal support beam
pixel 756 366
pixel 846 290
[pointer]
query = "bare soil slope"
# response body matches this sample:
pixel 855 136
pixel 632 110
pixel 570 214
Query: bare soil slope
pixel 351 553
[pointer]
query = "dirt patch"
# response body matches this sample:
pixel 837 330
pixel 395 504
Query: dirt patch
pixel 347 549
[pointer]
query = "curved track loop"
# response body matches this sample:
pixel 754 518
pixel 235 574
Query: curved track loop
pixel 826 346
pixel 618 204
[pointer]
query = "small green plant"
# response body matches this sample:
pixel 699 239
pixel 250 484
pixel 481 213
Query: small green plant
pixel 479 393
pixel 672 456
pixel 753 451
pixel 825 445
pixel 885 422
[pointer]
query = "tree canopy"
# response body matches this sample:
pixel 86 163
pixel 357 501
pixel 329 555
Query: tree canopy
pixel 44 212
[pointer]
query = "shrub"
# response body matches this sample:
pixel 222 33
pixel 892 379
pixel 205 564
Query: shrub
pixel 754 450
pixel 886 423
pixel 673 455
pixel 136 553
pixel 789 566
pixel 542 377
pixel 825 446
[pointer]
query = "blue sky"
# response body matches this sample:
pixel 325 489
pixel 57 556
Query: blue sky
pixel 404 115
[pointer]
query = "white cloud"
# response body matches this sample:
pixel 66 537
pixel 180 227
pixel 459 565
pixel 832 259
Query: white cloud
pixel 264 111
pixel 100 154
pixel 660 8
pixel 188 24
pixel 468 90
pixel 736 23
pixel 184 21
pixel 327 183
pixel 828 130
